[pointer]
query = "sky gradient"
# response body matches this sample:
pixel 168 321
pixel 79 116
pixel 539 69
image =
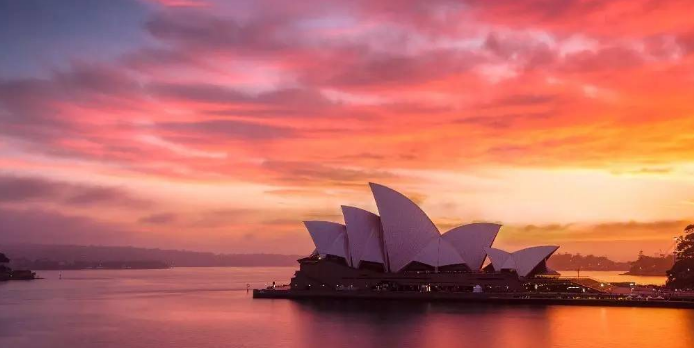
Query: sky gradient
pixel 220 126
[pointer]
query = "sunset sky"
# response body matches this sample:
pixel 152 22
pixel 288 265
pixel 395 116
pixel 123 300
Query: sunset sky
pixel 221 125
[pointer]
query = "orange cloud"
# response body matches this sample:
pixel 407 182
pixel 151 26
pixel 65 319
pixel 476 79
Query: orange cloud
pixel 572 112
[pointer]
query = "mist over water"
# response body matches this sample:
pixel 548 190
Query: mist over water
pixel 209 307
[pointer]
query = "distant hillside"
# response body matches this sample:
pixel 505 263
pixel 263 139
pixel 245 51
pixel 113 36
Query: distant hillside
pixel 41 256
pixel 570 262
pixel 644 265
pixel 650 265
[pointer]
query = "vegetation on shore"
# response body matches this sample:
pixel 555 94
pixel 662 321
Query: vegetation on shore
pixel 681 276
pixel 52 257
pixel 6 273
pixel 566 261
pixel 43 264
pixel 651 265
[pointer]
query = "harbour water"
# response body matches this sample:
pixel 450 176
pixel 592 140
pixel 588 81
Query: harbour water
pixel 209 307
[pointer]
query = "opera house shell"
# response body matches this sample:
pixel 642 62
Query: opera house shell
pixel 401 246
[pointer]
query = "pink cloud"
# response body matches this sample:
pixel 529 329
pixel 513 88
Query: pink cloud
pixel 315 97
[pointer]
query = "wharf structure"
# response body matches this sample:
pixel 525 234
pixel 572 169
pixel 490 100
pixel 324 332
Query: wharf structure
pixel 7 273
pixel 401 254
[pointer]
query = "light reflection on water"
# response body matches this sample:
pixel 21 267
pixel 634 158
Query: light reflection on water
pixel 209 307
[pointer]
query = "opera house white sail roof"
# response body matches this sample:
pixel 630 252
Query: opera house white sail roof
pixel 406 228
pixel 470 240
pixel 330 238
pixel 522 261
pixel 364 235
pixel 403 234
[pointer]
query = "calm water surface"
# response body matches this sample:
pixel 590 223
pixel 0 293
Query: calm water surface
pixel 209 307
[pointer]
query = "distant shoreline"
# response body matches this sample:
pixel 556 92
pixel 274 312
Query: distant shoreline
pixel 154 268
pixel 622 272
pixel 290 266
pixel 44 257
pixel 66 257
pixel 646 274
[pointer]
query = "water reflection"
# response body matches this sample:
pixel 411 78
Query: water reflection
pixel 406 324
pixel 196 308
pixel 442 324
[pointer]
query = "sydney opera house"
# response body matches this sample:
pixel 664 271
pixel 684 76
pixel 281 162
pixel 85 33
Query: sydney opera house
pixel 402 249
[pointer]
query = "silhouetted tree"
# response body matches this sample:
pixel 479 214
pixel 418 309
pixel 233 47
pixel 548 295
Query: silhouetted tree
pixel 681 276
pixel 3 270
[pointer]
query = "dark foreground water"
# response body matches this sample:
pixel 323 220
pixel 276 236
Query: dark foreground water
pixel 209 307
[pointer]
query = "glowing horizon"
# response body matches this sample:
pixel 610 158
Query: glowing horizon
pixel 218 126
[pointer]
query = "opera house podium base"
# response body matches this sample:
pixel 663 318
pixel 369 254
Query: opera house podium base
pixel 567 299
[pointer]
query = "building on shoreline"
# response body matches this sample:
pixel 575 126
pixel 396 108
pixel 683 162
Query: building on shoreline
pixel 402 249
pixel 6 273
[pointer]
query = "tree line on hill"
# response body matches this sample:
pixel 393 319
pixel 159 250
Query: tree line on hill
pixel 642 266
pixel 651 265
pixel 566 262
pixel 681 275
pixel 49 257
